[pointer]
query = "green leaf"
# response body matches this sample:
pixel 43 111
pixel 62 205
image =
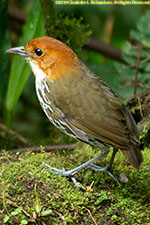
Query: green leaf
pixel 6 218
pixel 20 70
pixel 17 211
pixel 46 212
pixel 142 33
pixel 14 213
pixel 131 54
pixel 38 208
pixel 5 44
pixel 23 222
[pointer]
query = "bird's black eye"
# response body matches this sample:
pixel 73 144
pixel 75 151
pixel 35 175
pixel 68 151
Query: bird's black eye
pixel 38 51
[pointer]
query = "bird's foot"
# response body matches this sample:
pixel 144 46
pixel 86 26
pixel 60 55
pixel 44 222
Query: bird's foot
pixel 71 173
pixel 62 172
pixel 65 173
pixel 103 169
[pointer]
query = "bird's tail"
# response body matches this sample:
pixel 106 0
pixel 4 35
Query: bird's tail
pixel 133 152
pixel 134 155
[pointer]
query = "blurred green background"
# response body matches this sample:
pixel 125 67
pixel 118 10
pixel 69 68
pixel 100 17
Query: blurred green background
pixel 78 26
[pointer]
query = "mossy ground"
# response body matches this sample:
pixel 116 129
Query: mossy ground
pixel 106 201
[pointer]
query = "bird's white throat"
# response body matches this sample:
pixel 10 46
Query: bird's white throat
pixel 39 79
pixel 38 73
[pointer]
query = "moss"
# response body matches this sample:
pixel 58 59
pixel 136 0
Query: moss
pixel 107 202
pixel 140 109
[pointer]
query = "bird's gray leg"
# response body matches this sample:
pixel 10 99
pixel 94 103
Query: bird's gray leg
pixel 106 168
pixel 89 164
pixel 70 173
pixel 115 150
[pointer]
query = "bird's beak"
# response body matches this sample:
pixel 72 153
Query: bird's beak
pixel 18 51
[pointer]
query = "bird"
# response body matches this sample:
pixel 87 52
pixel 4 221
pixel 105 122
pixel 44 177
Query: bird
pixel 80 103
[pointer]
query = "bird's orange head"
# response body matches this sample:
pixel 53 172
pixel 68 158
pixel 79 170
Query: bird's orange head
pixel 49 57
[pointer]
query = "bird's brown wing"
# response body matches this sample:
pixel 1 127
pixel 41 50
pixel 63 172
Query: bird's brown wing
pixel 88 104
pixel 100 132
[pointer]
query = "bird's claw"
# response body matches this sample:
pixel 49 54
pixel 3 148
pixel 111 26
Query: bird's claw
pixel 103 169
pixel 55 170
pixel 63 172
pixel 98 168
